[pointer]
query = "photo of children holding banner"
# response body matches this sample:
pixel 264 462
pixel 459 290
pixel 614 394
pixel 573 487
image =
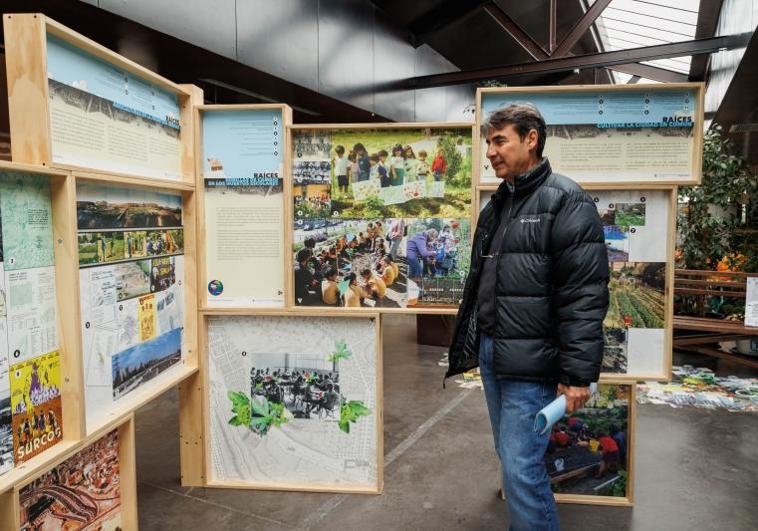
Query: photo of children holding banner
pixel 438 252
pixel 350 263
pixel 588 450
pixel 392 174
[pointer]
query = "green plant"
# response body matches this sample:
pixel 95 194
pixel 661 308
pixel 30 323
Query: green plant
pixel 258 414
pixel 350 412
pixel 619 487
pixel 340 352
pixel 719 216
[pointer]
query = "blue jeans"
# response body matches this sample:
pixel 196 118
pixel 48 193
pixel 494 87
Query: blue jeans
pixel 512 405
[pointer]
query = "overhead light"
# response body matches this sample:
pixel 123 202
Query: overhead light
pixel 255 95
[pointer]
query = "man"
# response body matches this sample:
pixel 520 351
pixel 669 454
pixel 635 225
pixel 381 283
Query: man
pixel 533 305
pixel 418 250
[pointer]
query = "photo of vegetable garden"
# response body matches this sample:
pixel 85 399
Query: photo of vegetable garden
pixel 636 295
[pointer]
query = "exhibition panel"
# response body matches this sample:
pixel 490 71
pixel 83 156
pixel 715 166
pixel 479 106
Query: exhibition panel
pixel 77 105
pixel 622 134
pixel 286 413
pixel 639 227
pixel 381 216
pixel 242 156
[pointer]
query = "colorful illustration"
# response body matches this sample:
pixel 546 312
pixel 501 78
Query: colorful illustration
pixel 82 493
pixel 147 316
pixel 36 405
pixel 588 453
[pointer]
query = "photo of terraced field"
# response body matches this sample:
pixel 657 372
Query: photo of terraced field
pixel 636 295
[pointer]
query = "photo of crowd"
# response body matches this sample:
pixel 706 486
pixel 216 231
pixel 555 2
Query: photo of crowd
pixel 350 263
pixel 307 390
pixel 588 451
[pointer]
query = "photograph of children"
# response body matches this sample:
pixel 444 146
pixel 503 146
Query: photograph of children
pixel 139 364
pixel 101 247
pixel 307 386
pixel 400 173
pixel 588 452
pixel 615 352
pixel 83 492
pixel 438 253
pixel 350 263
pixel 636 295
pixel 617 243
pixel 312 189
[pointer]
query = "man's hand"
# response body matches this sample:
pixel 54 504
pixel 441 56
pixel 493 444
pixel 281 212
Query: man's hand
pixel 576 397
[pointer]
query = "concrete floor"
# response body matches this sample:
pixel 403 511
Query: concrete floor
pixel 695 469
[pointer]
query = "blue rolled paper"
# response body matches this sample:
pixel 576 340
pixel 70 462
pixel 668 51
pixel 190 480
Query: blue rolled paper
pixel 553 412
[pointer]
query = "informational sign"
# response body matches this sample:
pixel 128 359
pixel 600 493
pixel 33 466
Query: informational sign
pixel 244 207
pixel 751 302
pixel 644 135
pixel 291 413
pixel 104 117
pixel 131 279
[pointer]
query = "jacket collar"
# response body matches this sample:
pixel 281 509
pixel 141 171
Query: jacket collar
pixel 526 182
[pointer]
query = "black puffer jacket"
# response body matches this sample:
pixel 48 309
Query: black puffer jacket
pixel 551 288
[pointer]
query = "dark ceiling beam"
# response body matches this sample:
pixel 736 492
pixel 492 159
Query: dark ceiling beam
pixel 597 60
pixel 580 28
pixel 440 17
pixel 707 20
pixel 651 72
pixel 633 80
pixel 514 30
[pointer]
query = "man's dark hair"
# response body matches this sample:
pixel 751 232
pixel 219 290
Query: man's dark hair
pixel 523 117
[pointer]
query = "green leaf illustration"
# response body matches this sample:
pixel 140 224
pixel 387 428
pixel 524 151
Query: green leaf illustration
pixel 340 352
pixel 350 412
pixel 240 408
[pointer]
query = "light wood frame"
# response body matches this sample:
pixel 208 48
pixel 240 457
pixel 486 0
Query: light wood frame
pixel 697 144
pixel 668 292
pixel 9 500
pixel 289 223
pixel 29 110
pixel 200 111
pixel 195 429
pixel 628 500
pixel 25 39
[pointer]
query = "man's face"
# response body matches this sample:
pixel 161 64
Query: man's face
pixel 508 153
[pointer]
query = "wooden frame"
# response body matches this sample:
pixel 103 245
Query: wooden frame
pixel 628 500
pixel 199 111
pixel 26 61
pixel 289 222
pixel 196 441
pixel 9 500
pixel 697 145
pixel 668 293
pixel 28 95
